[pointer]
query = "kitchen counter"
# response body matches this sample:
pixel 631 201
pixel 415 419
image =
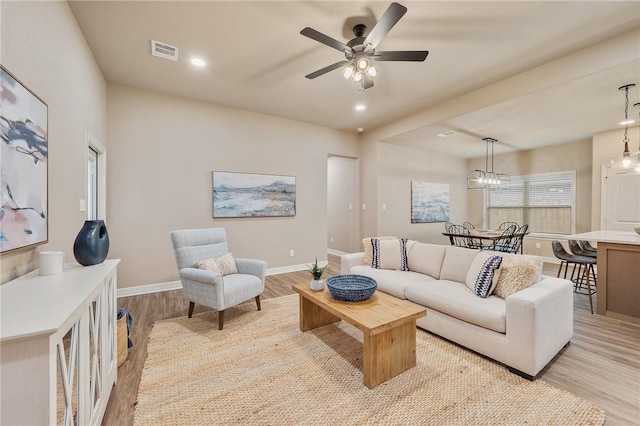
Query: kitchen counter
pixel 618 282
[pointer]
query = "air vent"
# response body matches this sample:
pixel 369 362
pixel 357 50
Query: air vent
pixel 164 50
pixel 446 134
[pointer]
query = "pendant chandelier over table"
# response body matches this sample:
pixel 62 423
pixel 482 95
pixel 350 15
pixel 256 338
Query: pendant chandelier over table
pixel 487 178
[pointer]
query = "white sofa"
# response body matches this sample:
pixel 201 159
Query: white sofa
pixel 524 331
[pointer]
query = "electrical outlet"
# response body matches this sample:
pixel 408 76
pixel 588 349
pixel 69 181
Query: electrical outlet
pixel 384 206
pixel 364 206
pixel 291 252
pixel 332 239
pixel 83 205
pixel 538 245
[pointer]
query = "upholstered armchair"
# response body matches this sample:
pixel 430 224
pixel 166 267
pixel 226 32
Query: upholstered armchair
pixel 209 288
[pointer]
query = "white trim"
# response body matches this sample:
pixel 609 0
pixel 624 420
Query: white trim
pixel 101 159
pixel 149 288
pixel 336 252
pixel 175 285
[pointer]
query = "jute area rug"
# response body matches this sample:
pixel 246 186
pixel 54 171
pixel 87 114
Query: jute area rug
pixel 261 369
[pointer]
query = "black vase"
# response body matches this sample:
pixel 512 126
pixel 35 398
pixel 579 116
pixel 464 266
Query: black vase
pixel 92 243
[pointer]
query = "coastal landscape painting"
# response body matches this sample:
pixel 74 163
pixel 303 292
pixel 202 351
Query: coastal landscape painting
pixel 429 202
pixel 253 195
pixel 23 166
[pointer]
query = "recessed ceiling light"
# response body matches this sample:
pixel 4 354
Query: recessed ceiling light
pixel 446 134
pixel 360 107
pixel 198 62
pixel 360 129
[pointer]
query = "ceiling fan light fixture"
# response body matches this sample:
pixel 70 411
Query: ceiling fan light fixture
pixel 372 71
pixel 357 76
pixel 363 64
pixel 348 72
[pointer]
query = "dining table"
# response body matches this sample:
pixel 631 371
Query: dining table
pixel 476 238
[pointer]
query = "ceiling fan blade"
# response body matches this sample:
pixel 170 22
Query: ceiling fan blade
pixel 325 39
pixel 326 69
pixel 384 25
pixel 404 55
pixel 366 81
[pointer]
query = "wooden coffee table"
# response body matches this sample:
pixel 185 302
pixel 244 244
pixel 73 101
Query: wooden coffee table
pixel 388 324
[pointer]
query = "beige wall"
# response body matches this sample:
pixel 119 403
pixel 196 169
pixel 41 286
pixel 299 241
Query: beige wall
pixel 43 47
pixel 566 157
pixel 161 154
pixel 398 166
pixel 343 200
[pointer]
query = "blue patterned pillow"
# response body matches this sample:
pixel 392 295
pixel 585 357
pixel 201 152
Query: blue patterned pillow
pixel 390 254
pixel 484 281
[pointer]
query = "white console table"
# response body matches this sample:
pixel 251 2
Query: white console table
pixel 58 346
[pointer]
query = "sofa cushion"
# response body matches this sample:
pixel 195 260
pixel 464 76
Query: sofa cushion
pixel 389 254
pixel 426 258
pixel 516 275
pixel 456 263
pixel 483 274
pixel 535 260
pixel 368 248
pixel 390 281
pixel 456 300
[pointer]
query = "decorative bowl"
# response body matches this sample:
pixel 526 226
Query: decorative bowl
pixel 351 287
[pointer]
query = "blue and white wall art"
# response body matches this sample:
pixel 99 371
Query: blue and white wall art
pixel 23 166
pixel 429 202
pixel 253 195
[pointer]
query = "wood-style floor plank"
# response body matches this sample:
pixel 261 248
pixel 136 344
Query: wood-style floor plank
pixel 601 365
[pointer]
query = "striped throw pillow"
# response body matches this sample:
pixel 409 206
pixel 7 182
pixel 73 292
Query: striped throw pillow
pixel 485 282
pixel 390 254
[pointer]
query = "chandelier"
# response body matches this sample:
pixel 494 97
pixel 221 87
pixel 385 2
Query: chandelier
pixel 487 178
pixel 627 161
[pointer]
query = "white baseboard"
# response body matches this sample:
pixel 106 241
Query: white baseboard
pixel 336 252
pixel 174 285
pixel 149 288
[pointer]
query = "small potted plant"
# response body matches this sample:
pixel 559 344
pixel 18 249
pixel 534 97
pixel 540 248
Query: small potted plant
pixel 316 272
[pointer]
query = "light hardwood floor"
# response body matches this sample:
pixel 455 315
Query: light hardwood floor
pixel 601 365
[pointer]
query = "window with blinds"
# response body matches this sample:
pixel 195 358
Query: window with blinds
pixel 544 201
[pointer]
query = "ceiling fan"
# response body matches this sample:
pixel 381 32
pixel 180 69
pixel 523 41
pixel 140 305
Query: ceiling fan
pixel 360 53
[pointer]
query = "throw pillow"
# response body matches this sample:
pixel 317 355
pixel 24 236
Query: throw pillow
pixel 483 273
pixel 368 248
pixel 516 275
pixel 389 254
pixel 224 265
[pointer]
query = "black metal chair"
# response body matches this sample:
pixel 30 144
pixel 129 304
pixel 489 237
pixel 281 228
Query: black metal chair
pixel 505 225
pixel 447 226
pixel 504 243
pixel 469 226
pixel 583 276
pixel 461 237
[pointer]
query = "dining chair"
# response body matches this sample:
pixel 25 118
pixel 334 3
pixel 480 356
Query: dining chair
pixel 460 236
pixel 469 226
pixel 447 226
pixel 505 225
pixel 503 243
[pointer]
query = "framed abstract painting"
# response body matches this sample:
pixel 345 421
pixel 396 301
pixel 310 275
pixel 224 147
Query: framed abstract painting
pixel 24 157
pixel 253 195
pixel 429 202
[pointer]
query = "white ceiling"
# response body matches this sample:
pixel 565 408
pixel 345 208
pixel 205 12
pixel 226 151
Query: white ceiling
pixel 257 61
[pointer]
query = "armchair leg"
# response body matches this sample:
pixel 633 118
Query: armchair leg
pixel 258 302
pixel 191 305
pixel 220 319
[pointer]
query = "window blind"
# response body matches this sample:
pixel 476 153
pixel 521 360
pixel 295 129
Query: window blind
pixel 546 202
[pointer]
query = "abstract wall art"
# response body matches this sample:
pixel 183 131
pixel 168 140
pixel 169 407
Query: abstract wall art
pixel 23 166
pixel 429 202
pixel 253 195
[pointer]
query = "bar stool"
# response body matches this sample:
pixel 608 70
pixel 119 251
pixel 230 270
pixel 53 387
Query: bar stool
pixel 583 276
pixel 588 247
